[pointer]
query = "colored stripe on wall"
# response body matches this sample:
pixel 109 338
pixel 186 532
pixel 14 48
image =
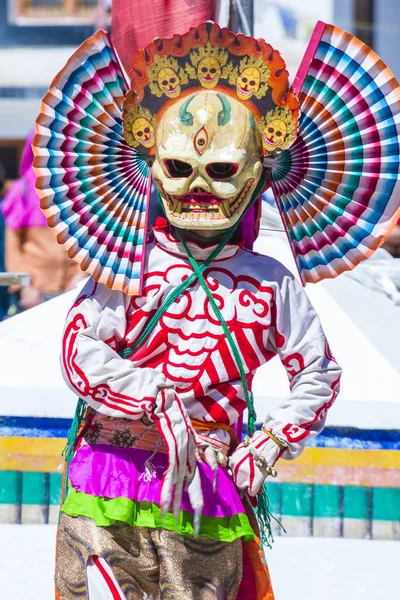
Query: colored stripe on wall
pixel 31 454
pixel 331 437
pixel 303 509
pixel 334 466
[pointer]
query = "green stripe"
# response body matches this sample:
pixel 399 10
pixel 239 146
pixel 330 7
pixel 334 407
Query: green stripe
pixel 55 488
pixel 35 488
pixel 326 501
pixel 9 487
pixel 274 495
pixel 386 504
pixel 105 512
pixel 294 499
pixel 356 502
pixel 29 487
pixel 297 500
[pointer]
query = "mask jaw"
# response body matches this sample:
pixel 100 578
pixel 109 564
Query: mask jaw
pixel 207 211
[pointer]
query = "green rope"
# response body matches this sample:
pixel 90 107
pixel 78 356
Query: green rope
pixel 69 449
pixel 263 513
pixel 248 395
pixel 175 294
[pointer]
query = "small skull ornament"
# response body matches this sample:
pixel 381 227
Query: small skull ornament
pixel 248 83
pixel 168 82
pixel 208 161
pixel 209 72
pixel 274 134
pixel 143 132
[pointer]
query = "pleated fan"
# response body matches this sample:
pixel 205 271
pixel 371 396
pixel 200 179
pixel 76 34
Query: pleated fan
pixel 337 187
pixel 94 188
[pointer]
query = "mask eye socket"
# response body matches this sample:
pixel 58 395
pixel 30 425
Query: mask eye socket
pixel 220 171
pixel 178 168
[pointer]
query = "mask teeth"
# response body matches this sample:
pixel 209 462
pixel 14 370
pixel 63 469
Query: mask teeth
pixel 226 210
pixel 174 205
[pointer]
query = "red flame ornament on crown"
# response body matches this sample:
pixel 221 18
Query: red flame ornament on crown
pixel 210 58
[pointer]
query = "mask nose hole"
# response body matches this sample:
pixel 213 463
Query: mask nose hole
pixel 199 190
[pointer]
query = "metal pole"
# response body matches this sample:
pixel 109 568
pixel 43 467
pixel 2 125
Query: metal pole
pixel 242 16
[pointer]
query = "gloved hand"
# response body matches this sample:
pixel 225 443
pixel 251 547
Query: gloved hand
pixel 253 461
pixel 174 426
pixel 213 448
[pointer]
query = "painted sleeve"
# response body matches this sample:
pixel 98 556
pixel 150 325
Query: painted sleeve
pixel 314 375
pixel 93 369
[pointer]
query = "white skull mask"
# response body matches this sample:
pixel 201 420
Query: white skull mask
pixel 208 161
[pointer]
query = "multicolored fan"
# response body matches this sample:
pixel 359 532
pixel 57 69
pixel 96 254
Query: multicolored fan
pixel 94 188
pixel 337 187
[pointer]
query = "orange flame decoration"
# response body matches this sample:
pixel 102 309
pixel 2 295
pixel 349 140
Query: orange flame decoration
pixel 208 57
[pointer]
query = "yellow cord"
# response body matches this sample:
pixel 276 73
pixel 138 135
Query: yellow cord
pixel 273 438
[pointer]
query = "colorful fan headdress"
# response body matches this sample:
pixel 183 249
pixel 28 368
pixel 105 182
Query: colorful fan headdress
pixel 336 183
pixel 337 187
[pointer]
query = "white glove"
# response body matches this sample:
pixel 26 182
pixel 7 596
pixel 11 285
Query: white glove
pixel 253 461
pixel 174 426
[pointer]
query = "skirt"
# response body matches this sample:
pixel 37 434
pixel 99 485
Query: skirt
pixel 115 480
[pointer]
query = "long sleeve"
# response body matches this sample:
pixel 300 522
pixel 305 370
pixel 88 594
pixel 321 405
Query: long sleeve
pixel 298 339
pixel 92 368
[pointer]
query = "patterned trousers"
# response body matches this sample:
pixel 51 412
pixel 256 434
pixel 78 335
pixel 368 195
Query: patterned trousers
pixel 134 563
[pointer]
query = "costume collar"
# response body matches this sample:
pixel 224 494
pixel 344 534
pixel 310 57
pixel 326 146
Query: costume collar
pixel 165 240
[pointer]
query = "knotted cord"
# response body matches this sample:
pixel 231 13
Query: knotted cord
pixel 262 511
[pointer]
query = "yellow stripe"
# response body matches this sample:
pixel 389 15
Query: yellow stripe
pixel 44 455
pixel 31 454
pixel 330 457
pixel 337 475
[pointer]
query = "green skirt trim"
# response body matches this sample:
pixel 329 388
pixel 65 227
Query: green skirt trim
pixel 106 511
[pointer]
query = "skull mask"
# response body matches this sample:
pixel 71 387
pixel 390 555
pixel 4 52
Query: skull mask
pixel 248 83
pixel 143 132
pixel 168 82
pixel 208 161
pixel 274 134
pixel 209 72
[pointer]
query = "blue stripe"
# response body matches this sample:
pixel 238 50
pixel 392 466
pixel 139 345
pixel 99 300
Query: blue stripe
pixel 351 438
pixel 35 427
pixel 331 437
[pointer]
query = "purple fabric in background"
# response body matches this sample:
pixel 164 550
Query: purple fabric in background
pixel 21 204
pixel 246 227
pixel 112 472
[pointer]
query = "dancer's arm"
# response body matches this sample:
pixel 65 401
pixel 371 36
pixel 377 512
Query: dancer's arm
pixel 93 369
pixel 314 375
pixel 297 337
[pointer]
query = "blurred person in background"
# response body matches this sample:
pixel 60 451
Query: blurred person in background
pixel 3 290
pixel 392 244
pixel 30 247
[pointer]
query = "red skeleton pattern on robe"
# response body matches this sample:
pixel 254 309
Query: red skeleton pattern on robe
pixel 267 313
